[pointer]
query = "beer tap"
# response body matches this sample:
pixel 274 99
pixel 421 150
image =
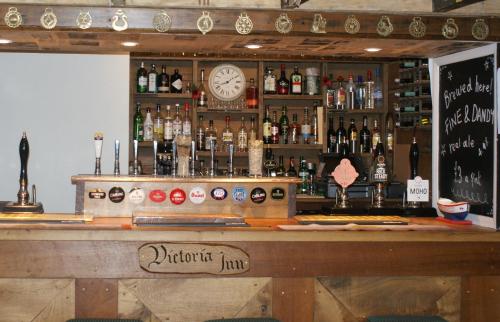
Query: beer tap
pixel 192 163
pixel 230 170
pixel 212 171
pixel 98 138
pixel 414 155
pixel 135 167
pixel 174 158
pixel 155 155
pixel 116 171
pixel 379 176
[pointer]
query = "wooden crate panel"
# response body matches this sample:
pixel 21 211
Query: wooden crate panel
pixel 194 299
pixel 353 299
pixel 37 300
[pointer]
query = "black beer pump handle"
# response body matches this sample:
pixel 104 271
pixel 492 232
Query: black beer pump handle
pixel 24 151
pixel 414 155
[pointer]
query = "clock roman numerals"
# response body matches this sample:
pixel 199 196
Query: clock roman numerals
pixel 227 82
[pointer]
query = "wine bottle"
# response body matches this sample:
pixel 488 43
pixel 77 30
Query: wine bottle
pixel 352 134
pixel 330 135
pixel 275 129
pixel 138 124
pixel 158 126
pixel 266 127
pixel 341 135
pixel 202 93
pixel 365 137
pixel 284 125
pixel 350 93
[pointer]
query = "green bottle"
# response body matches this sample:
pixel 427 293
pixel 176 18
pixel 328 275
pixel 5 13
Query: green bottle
pixel 303 186
pixel 138 124
pixel 142 79
pixel 284 125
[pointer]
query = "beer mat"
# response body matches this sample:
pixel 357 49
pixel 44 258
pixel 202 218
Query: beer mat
pixel 356 227
pixel 45 218
pixel 347 219
pixel 454 222
pixel 158 218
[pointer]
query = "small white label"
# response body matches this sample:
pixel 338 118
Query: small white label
pixel 197 195
pixel 418 190
pixel 177 84
pixel 136 195
pixel 186 128
pixel 143 81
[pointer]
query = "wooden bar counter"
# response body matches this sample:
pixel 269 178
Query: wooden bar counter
pixel 53 272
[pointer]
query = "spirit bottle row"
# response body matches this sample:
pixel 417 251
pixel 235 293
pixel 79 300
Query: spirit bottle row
pixel 154 82
pixel 295 85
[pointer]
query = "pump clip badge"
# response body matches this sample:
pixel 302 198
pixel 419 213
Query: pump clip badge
pixel 239 194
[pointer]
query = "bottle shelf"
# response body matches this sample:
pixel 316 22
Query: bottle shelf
pixel 417 83
pixel 292 97
pixel 164 95
pixel 364 111
pixel 295 146
pixel 422 97
pixel 413 69
pixel 222 154
pixel 254 111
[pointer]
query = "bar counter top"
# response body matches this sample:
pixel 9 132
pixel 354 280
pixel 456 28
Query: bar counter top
pixel 122 229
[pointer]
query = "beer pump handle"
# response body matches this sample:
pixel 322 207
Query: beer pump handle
pixel 24 151
pixel 414 156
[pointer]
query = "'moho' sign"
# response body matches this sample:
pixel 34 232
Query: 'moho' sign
pixel 418 190
pixel 193 258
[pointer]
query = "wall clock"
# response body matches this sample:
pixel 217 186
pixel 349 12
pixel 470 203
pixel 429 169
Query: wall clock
pixel 227 82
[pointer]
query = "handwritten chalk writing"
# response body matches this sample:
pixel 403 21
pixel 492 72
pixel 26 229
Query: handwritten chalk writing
pixel 466 144
pixel 483 115
pixel 451 122
pixel 468 195
pixel 482 88
pixel 450 96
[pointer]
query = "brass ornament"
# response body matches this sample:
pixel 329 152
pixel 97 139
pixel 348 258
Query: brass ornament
pixel 480 29
pixel 283 24
pixel 352 25
pixel 417 28
pixel 48 19
pixel 84 20
pixel 450 29
pixel 244 24
pixel 119 21
pixel 319 24
pixel 205 23
pixel 13 18
pixel 162 21
pixel 384 26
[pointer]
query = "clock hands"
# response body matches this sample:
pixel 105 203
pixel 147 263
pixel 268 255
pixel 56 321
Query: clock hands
pixel 227 82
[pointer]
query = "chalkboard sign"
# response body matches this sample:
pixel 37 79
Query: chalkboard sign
pixel 467 133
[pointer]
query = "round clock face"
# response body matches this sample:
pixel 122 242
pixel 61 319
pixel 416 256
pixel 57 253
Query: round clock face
pixel 227 82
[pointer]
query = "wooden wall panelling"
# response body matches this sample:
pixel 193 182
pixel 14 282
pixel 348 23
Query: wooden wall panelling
pixel 480 298
pixel 195 299
pixel 293 299
pixel 96 298
pixel 37 300
pixel 356 298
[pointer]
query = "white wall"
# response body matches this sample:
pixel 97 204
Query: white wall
pixel 60 100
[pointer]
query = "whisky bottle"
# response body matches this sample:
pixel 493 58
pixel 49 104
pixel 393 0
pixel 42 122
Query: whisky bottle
pixel 186 122
pixel 375 135
pixel 340 94
pixel 163 81
pixel 283 83
pixel 252 93
pixel 138 124
pixel 305 128
pixel 294 130
pixel 296 79
pixel 352 134
pixel 148 126
pixel 202 98
pixel 269 81
pixel 177 122
pixel 284 125
pixel 176 82
pixel 242 137
pixel 266 127
pixel 365 137
pixel 168 126
pixel 158 126
pixel 227 136
pixel 142 79
pixel 200 134
pixel 152 79
pixel 275 129
pixel 351 93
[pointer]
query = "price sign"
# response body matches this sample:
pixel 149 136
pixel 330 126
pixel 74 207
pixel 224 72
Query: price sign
pixel 418 190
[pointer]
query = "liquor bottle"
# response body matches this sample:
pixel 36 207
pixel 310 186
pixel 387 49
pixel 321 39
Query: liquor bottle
pixel 266 127
pixel 152 78
pixel 280 170
pixel 275 129
pixel 142 79
pixel 303 186
pixel 269 81
pixel 407 93
pixel 252 133
pixel 341 135
pixel 186 122
pixel 177 122
pixel 305 128
pixel 138 124
pixel 314 126
pixel 148 126
pixel 414 154
pixel 360 93
pixel 407 64
pixel 210 135
pixel 291 172
pixel 375 135
pixel 163 81
pixel 252 95
pixel 296 79
pixel 365 137
pixel 176 82
pixel 200 134
pixel 352 134
pixel 202 98
pixel 158 126
pixel 283 83
pixel 406 80
pixel 351 93
pixel 369 84
pixel 330 93
pixel 340 94
pixel 389 132
pixel 294 130
pixel 242 137
pixel 169 126
pixel 330 136
pixel 227 135
pixel 269 163
pixel 284 125
pixel 379 171
pixel 378 96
